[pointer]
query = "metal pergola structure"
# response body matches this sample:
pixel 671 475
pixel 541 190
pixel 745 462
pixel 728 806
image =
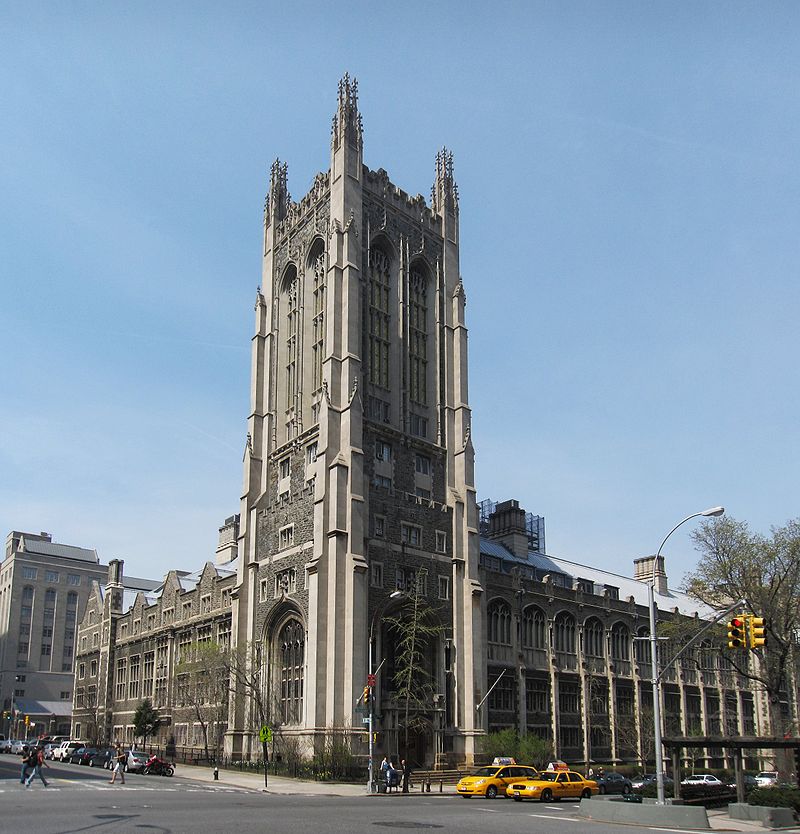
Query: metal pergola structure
pixel 676 745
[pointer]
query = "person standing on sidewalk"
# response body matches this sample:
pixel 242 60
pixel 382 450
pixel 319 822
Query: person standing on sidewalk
pixel 39 763
pixel 119 767
pixel 406 774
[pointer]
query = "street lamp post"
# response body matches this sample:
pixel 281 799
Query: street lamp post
pixel 713 511
pixel 371 675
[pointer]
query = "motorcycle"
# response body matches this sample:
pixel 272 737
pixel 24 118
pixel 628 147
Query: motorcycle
pixel 158 767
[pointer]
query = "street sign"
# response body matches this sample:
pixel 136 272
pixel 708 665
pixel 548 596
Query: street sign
pixel 265 734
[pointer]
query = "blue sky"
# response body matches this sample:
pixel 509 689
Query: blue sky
pixel 630 205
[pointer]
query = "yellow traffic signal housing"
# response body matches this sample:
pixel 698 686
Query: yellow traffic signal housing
pixel 758 637
pixel 736 633
pixel 366 695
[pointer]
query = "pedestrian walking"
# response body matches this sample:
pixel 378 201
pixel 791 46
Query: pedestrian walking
pixel 28 761
pixel 38 763
pixel 119 767
pixel 406 774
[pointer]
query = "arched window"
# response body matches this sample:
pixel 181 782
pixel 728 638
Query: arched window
pixel 499 615
pixel 534 635
pixel 620 642
pixel 379 271
pixel 564 633
pixel 641 647
pixel 290 656
pixel 593 642
pixel 418 335
pixel 317 266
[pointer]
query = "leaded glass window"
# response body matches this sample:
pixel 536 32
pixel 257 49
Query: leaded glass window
pixel 379 266
pixel 418 337
pixel 291 660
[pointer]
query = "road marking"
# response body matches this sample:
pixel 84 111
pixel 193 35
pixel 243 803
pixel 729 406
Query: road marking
pixel 675 830
pixel 489 810
pixel 549 817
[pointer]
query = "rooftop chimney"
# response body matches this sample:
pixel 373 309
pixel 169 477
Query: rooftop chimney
pixel 507 526
pixel 228 549
pixel 651 569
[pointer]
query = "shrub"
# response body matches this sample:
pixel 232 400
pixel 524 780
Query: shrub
pixel 782 796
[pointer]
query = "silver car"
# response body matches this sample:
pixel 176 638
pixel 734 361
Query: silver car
pixel 136 761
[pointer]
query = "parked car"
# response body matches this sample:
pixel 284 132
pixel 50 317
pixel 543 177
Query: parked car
pixel 102 758
pixel 707 779
pixel 553 785
pixel 493 780
pixel 136 761
pixel 612 782
pixel 49 749
pixel 767 778
pixel 20 747
pixel 640 782
pixel 65 749
pixel 6 744
pixel 750 782
pixel 82 756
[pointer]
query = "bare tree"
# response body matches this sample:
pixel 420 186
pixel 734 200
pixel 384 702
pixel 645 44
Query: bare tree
pixel 417 631
pixel 202 683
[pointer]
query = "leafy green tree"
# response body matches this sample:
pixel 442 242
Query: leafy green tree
pixel 764 571
pixel 528 749
pixel 145 720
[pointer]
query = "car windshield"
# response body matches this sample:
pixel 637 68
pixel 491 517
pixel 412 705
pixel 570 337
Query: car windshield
pixel 485 771
pixel 548 776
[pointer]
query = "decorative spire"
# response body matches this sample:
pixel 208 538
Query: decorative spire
pixel 278 198
pixel 444 194
pixel 347 121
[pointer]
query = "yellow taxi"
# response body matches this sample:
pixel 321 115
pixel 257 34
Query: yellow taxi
pixel 494 779
pixel 552 785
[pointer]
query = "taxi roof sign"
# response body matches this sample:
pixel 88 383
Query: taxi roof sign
pixel 503 760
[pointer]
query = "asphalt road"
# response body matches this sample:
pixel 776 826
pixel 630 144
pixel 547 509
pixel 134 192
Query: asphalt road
pixel 79 799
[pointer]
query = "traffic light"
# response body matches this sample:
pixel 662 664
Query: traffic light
pixel 758 637
pixel 27 720
pixel 736 635
pixel 366 695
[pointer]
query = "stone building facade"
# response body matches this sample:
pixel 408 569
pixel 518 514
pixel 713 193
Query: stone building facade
pixel 44 586
pixel 359 464
pixel 569 660
pixel 133 640
pixel 359 490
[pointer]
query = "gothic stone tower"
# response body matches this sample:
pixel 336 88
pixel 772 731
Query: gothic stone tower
pixel 358 468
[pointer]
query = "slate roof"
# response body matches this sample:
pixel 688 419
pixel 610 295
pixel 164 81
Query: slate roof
pixel 63 551
pixel 628 587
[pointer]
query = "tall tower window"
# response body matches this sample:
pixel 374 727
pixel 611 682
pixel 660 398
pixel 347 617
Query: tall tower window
pixel 318 323
pixel 378 318
pixel 292 330
pixel 291 660
pixel 418 337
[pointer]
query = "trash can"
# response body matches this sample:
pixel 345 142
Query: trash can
pixel 381 787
